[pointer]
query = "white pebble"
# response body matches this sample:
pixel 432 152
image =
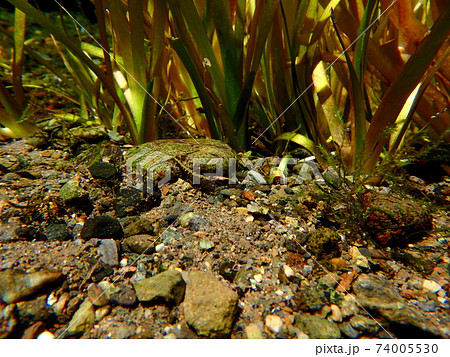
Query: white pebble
pixel 274 323
pixel 279 292
pixel 160 248
pixel 288 271
pixel 124 262
pixel 258 278
pixel 46 335
pixel 431 285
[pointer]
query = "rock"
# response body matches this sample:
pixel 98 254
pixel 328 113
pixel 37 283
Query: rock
pixel 8 320
pixel 7 231
pixel 317 327
pixel 34 310
pixel 29 233
pixel 228 192
pixel 257 208
pixel 431 286
pixel 108 252
pixel 72 193
pixel 101 312
pixel 274 323
pixel 393 221
pixel 210 314
pixel 167 287
pixel 16 286
pixel 97 295
pixel 198 223
pixel 123 296
pixel 365 324
pixel 311 299
pixel 206 244
pixel 102 170
pixel 57 231
pixel 348 330
pixel 376 293
pixel 185 218
pixel 102 227
pixel 255 176
pixel 336 314
pixel 131 201
pixel 136 225
pixel 160 248
pixel 169 236
pixel 34 330
pixel 252 331
pixel 141 244
pixel 83 320
pixel 324 244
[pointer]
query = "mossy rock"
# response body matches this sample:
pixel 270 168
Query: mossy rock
pixel 393 221
pixel 324 244
pixel 178 157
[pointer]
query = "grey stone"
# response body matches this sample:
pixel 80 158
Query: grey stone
pixel 376 293
pixel 348 330
pixel 228 192
pixel 317 327
pixel 167 287
pixel 109 252
pixel 198 223
pixel 210 307
pixel 169 236
pixel 8 320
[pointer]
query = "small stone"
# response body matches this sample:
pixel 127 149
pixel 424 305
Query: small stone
pixel 288 271
pixel 210 314
pixel 252 331
pixel 102 170
pixel 206 244
pixel 141 244
pixel 101 312
pixel 324 244
pixel 184 219
pixel 160 248
pixel 102 227
pixel 362 262
pixel 198 223
pixel 56 231
pixel 336 314
pixel 228 192
pixel 71 192
pixel 131 201
pixel 8 320
pixel 258 278
pixel 257 208
pixel 431 286
pixel 97 295
pixel 365 324
pixel 109 253
pixel 83 320
pixel 255 176
pixel 317 327
pixel 136 225
pixel 348 330
pixel 349 307
pixel 168 287
pixel 123 296
pixel 274 323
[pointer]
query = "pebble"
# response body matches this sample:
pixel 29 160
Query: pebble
pixel 431 285
pixel 206 244
pixel 102 170
pixel 317 327
pixel 168 287
pixel 210 314
pixel 141 244
pixel 83 319
pixel 255 176
pixel 252 331
pixel 365 324
pixel 348 330
pixel 97 295
pixel 71 192
pixel 288 271
pixel 198 223
pixel 108 252
pixel 102 227
pixel 336 314
pixel 8 320
pixel 56 231
pixel 160 248
pixel 349 307
pixel 101 312
pixel 184 219
pixel 274 323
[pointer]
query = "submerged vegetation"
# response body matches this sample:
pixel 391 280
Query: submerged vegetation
pixel 357 78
